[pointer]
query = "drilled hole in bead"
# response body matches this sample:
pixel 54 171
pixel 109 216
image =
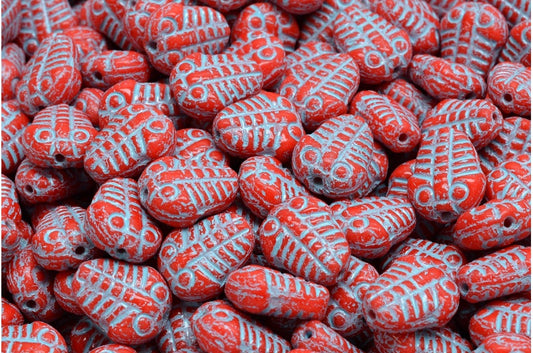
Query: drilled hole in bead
pixel 121 251
pixel 152 45
pixel 464 288
pixel 144 192
pixel 508 222
pixel 59 158
pixel 29 189
pixel 470 95
pixel 372 314
pixel 31 304
pixel 397 70
pixel 507 97
pixel 318 181
pixel 97 76
pixel 446 215
pixel 494 116
pixel 80 250
pixel 308 334
pixel 402 137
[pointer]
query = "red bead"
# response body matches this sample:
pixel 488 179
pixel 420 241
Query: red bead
pixel 503 272
pixel 412 294
pixel 86 335
pixel 443 79
pixel 51 76
pixel 409 96
pixel 322 88
pixel 32 288
pixel 319 337
pixel 14 122
pixel 501 316
pixel 318 26
pixel 36 184
pixel 275 294
pixel 65 296
pixel 265 183
pixel 175 31
pixel 58 137
pixel 11 314
pixel 103 70
pixel 447 179
pixel 344 312
pixel 517 49
pixel 505 343
pixel 374 224
pixel 177 334
pixel 382 53
pixel 267 18
pixel 496 223
pixel 88 101
pixel 510 179
pixel 87 40
pixel 106 17
pixel 124 149
pixel 40 19
pixel 129 92
pixel 11 18
pixel 397 185
pixel 117 223
pixel 216 319
pixel 441 7
pixel 225 6
pixel 13 60
pixel 203 85
pixel 515 11
pixel 334 159
pixel 113 348
pixel 393 125
pixel 266 51
pixel 434 340
pixel 135 313
pixel 513 139
pixel 264 124
pixel 448 257
pixel 509 88
pixel 299 7
pixel 376 172
pixel 479 119
pixel 300 236
pixel 473 34
pixel 179 194
pixel 197 260
pixel 198 147
pixel 60 241
pixel 415 17
pixel 34 337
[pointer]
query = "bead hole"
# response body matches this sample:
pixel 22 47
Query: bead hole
pixel 446 215
pixel 507 97
pixel 31 304
pixel 29 189
pixel 464 288
pixel 121 251
pixel 152 45
pixel 308 334
pixel 508 222
pixel 97 76
pixel 402 137
pixel 59 158
pixel 318 181
pixel 470 95
pixel 80 250
pixel 372 314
